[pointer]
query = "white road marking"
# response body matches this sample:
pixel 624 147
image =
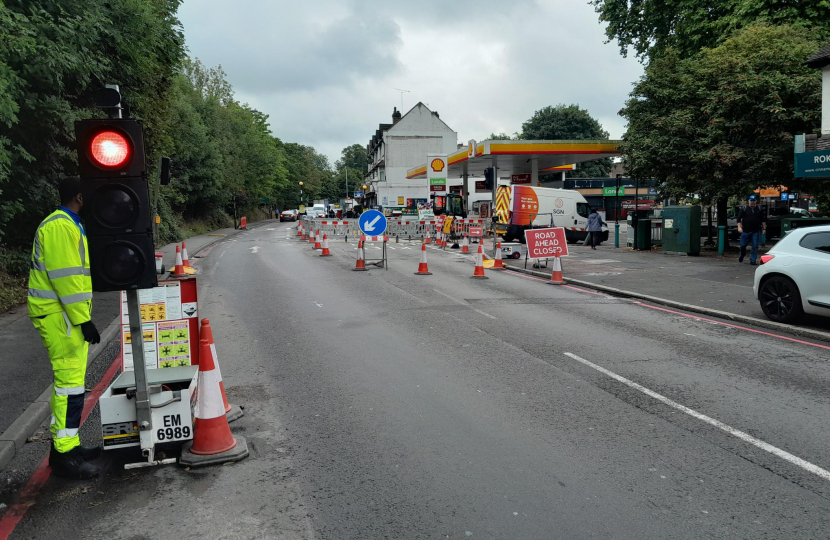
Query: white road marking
pixel 271 229
pixel 685 334
pixel 746 437
pixel 254 249
pixel 463 303
pixel 223 253
pixel 318 304
pixel 600 261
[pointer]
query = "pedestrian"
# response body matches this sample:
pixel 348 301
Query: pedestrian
pixel 60 307
pixel 595 224
pixel 752 223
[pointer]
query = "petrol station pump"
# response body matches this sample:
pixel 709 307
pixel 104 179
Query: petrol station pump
pixel 142 406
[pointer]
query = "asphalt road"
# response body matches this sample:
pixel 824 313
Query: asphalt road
pixel 381 404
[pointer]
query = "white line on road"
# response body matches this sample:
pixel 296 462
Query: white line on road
pixel 254 249
pixel 223 253
pixel 463 303
pixel 318 304
pixel 746 437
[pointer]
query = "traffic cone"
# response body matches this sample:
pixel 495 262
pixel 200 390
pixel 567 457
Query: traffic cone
pixel 479 271
pixel 185 258
pixel 428 237
pixel 497 263
pixel 178 271
pixel 311 236
pixel 212 440
pixel 232 412
pixel 423 269
pixel 556 274
pixel 361 264
pixel 300 228
pixel 465 244
pixel 317 240
pixel 326 252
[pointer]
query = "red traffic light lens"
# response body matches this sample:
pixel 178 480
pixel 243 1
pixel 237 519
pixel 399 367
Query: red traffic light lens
pixel 110 149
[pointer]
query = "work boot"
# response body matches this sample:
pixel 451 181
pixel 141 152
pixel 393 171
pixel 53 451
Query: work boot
pixel 741 258
pixel 87 453
pixel 71 464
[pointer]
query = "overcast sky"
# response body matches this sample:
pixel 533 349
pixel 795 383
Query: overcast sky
pixel 326 70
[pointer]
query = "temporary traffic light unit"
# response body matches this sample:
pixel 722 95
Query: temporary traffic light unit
pixel 116 203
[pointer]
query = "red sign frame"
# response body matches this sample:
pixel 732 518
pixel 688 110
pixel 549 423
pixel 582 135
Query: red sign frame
pixel 476 231
pixel 546 243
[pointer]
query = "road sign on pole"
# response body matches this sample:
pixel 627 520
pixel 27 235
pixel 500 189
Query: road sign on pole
pixel 372 223
pixel 546 243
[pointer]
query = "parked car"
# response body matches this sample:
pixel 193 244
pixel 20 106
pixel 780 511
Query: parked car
pixel 794 276
pixel 289 215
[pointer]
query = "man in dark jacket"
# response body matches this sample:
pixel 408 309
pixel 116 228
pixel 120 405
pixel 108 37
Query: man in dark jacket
pixel 752 223
pixel 595 224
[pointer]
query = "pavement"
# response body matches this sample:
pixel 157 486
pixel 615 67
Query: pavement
pixel 382 404
pixel 27 374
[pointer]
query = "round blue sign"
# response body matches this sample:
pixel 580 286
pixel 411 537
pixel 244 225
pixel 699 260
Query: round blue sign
pixel 372 223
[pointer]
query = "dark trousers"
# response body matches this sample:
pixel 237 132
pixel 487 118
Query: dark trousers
pixel 595 239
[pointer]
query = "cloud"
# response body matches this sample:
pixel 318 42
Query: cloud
pixel 326 70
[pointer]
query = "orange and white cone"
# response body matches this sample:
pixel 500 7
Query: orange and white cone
pixel 232 412
pixel 185 258
pixel 478 273
pixel 311 236
pixel 423 269
pixel 465 244
pixel 556 274
pixel 317 244
pixel 360 265
pixel 428 237
pixel 326 252
pixel 300 228
pixel 497 262
pixel 178 271
pixel 212 440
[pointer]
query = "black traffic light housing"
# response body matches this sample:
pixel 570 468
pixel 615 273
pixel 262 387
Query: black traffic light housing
pixel 117 210
pixel 489 178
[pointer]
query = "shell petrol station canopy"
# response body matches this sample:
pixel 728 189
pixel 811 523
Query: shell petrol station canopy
pixel 517 157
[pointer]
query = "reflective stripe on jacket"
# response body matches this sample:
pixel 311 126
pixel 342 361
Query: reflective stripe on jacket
pixel 59 278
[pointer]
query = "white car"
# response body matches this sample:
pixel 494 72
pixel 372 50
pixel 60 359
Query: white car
pixel 794 276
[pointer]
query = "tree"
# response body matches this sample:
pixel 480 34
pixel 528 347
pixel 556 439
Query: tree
pixel 721 123
pixel 687 26
pixel 503 137
pixel 568 122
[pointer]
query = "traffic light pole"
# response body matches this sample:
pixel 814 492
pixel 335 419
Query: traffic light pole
pixel 143 413
pixel 493 204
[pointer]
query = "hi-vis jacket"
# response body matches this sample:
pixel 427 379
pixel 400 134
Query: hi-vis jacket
pixel 59 279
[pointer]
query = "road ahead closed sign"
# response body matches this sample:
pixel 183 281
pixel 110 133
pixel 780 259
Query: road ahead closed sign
pixel 546 243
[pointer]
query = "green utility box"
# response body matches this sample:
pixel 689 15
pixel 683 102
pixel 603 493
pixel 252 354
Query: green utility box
pixel 681 230
pixel 642 235
pixel 788 224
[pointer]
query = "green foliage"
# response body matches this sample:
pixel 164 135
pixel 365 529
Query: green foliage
pixel 653 26
pixel 52 55
pixel 567 123
pixel 503 137
pixel 721 123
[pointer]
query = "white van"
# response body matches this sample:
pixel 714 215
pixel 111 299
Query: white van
pixel 535 207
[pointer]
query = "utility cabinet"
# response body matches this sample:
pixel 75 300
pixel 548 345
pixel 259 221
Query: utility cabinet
pixel 681 230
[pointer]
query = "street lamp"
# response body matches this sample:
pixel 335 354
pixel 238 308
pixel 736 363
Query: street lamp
pixel 301 193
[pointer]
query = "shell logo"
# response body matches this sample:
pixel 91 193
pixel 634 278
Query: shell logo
pixel 558 203
pixel 437 164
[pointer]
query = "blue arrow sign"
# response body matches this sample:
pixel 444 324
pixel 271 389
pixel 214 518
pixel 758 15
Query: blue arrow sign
pixel 372 223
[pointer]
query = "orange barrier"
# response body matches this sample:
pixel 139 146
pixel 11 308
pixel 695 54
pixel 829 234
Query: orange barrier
pixel 212 440
pixel 478 273
pixel 556 274
pixel 423 268
pixel 360 265
pixel 497 263
pixel 326 252
pixel 243 223
pixel 178 271
pixel 232 412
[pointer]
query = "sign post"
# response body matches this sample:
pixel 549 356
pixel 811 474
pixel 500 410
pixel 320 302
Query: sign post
pixel 545 243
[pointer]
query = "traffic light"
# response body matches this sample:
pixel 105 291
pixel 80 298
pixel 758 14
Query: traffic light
pixel 117 210
pixel 489 178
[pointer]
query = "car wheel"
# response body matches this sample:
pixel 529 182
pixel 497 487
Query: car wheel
pixel 517 255
pixel 780 299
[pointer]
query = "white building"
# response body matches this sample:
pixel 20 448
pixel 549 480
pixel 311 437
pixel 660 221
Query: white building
pixel 399 146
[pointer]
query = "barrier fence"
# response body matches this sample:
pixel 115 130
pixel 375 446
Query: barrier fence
pixel 397 228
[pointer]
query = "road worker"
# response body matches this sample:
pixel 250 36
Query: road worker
pixel 60 306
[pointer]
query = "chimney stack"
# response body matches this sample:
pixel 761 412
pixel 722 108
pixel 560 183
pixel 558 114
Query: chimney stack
pixel 396 116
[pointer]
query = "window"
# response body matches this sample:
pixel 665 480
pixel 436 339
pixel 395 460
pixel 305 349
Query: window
pixel 817 241
pixel 583 209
